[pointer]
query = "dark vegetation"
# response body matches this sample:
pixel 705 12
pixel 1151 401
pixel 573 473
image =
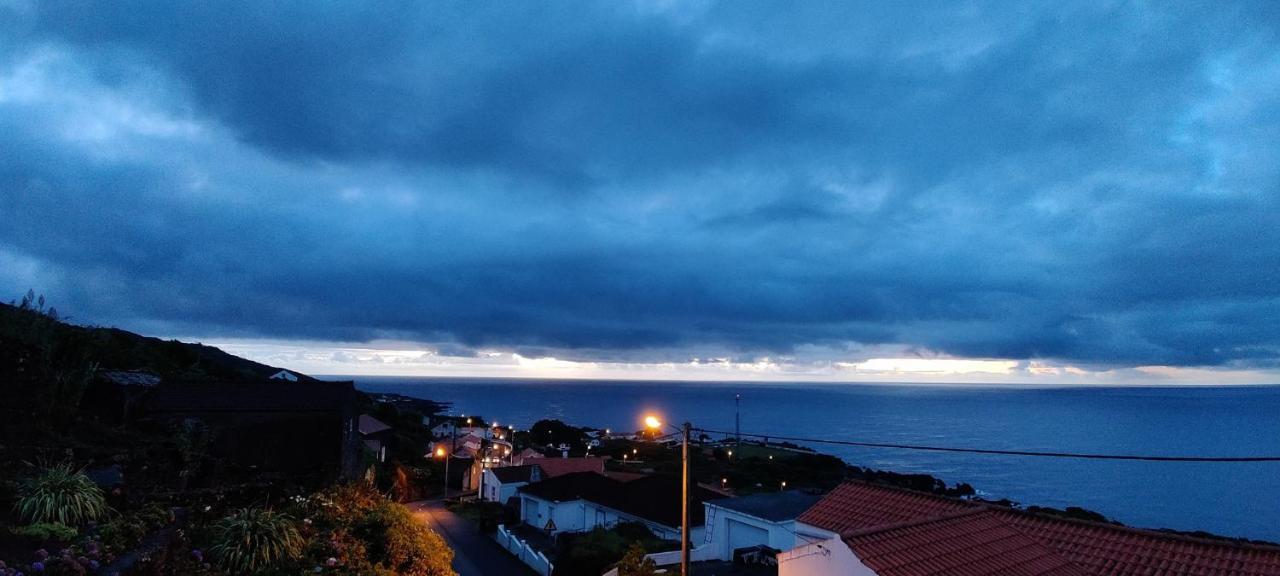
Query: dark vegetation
pixel 91 481
pixel 591 553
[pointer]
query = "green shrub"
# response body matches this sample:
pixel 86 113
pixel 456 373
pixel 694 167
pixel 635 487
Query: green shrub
pixel 60 494
pixel 121 534
pixel 407 546
pixel 634 563
pixel 46 531
pixel 253 540
pixel 370 535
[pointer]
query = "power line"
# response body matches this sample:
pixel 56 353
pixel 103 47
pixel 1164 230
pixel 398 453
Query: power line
pixel 1086 456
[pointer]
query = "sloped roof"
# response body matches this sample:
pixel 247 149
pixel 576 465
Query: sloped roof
pixel 772 506
pixel 371 425
pixel 965 543
pixel 857 510
pixel 573 486
pixel 859 506
pixel 1118 551
pixel 244 397
pixel 552 467
pixel 130 378
pixel 508 474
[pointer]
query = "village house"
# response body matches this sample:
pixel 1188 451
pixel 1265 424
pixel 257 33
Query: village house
pixel 760 520
pixel 500 483
pixel 580 501
pixel 872 530
pixel 374 433
pixel 282 427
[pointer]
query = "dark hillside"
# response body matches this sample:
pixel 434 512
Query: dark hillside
pixel 115 349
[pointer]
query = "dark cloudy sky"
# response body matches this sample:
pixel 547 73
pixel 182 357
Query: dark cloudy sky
pixel 1005 191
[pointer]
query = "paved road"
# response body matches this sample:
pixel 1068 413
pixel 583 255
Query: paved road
pixel 474 554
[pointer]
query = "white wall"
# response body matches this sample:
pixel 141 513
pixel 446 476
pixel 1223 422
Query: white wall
pixel 779 535
pixel 582 515
pixel 495 491
pixel 568 516
pixel 826 558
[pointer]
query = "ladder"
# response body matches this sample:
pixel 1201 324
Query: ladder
pixel 710 522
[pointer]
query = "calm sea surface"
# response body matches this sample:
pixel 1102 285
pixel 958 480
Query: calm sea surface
pixel 1235 499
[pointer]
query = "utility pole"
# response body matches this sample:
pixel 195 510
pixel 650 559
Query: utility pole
pixel 684 507
pixel 453 447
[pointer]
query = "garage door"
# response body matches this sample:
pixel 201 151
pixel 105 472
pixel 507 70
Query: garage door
pixel 745 535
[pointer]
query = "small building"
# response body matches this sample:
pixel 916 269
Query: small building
pixel 292 428
pixel 500 484
pixel 580 501
pixel 765 519
pixel 374 433
pixel 285 375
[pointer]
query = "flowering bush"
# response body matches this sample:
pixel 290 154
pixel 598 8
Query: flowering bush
pixel 358 531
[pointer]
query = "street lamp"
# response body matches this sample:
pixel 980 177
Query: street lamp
pixel 440 453
pixel 653 423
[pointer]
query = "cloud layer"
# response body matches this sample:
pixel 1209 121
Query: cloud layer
pixel 654 182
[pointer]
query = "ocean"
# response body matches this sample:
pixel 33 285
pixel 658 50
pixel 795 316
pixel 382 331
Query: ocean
pixel 1231 499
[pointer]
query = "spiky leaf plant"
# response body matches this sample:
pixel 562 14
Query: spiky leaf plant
pixel 252 540
pixel 60 494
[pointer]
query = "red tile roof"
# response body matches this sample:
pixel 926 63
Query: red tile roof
pixel 858 506
pixel 968 543
pixel 910 533
pixel 552 467
pixel 1113 550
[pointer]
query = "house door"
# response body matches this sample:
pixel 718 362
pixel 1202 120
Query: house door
pixel 741 535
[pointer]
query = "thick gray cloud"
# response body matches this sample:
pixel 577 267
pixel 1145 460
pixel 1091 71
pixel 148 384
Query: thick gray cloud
pixel 1097 185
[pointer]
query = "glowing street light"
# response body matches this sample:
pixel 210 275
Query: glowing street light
pixel 653 423
pixel 440 453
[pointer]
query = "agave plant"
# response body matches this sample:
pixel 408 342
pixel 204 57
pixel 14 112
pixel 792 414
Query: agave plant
pixel 60 494
pixel 252 540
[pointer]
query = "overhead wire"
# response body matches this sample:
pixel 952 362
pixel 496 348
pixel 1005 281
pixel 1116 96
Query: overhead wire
pixel 998 452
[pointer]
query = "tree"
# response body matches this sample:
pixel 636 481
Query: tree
pixel 555 432
pixel 634 563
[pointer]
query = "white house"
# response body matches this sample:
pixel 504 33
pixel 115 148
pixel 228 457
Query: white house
pixel 285 375
pixel 765 519
pixel 500 484
pixel 580 501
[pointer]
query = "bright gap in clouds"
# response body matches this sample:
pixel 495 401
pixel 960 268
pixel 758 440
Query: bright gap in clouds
pixel 409 360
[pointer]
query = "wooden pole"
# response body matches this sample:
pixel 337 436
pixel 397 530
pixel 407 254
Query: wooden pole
pixel 684 507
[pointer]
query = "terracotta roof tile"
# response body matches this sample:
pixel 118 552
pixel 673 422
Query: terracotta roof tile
pixel 1119 551
pixel 552 467
pixel 858 506
pixel 971 542
pixel 911 533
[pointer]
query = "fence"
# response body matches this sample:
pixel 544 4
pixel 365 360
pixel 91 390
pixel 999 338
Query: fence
pixel 533 558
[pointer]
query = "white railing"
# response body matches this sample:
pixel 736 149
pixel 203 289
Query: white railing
pixel 699 554
pixel 521 549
